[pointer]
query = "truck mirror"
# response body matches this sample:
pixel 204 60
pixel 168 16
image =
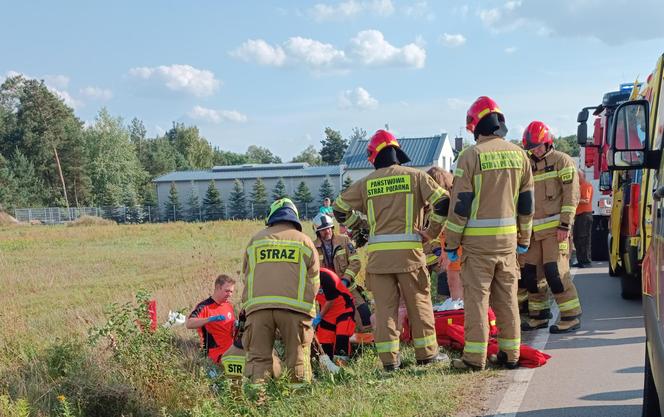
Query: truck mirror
pixel 582 134
pixel 630 144
pixel 605 181
pixel 583 116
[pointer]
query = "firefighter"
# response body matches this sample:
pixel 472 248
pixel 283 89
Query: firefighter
pixel 490 215
pixel 233 361
pixel 393 198
pixel 281 281
pixel 336 252
pixel 556 198
pixel 335 323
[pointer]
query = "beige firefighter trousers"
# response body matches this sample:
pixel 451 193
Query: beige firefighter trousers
pixel 414 287
pixel 552 261
pixel 258 340
pixel 490 279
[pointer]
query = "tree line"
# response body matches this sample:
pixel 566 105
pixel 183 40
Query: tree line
pixel 49 157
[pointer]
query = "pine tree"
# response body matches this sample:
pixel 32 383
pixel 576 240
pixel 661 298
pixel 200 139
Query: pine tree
pixel 302 199
pixel 259 199
pixel 150 203
pixel 194 204
pixel 334 147
pixel 279 190
pixel 213 207
pixel 132 211
pixel 237 202
pixel 326 190
pixel 173 208
pixel 347 183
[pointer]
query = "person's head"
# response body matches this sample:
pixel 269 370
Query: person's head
pixel 442 177
pixel 324 226
pixel 383 150
pixel 537 139
pixel 283 211
pixel 485 118
pixel 326 202
pixel 224 287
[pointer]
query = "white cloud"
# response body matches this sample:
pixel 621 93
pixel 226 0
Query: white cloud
pixel 578 18
pixel 56 84
pixel 313 53
pixel 370 48
pixel 57 81
pixel 358 98
pixel 180 78
pixel 261 52
pixel 96 93
pixel 216 116
pixel 349 9
pixel 452 40
pixel 510 50
pixel 419 10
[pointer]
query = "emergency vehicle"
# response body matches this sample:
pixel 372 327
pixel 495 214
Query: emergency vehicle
pixel 637 134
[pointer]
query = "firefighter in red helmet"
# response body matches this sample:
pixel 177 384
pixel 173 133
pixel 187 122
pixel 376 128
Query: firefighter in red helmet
pixel 556 198
pixel 491 213
pixel 393 198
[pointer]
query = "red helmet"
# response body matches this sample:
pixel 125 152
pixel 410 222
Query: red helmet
pixel 480 108
pixel 379 141
pixel 536 134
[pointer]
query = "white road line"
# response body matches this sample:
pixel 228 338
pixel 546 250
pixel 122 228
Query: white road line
pixel 511 402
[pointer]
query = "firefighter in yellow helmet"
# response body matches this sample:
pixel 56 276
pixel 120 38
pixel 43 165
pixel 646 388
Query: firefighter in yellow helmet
pixel 491 217
pixel 556 198
pixel 281 272
pixel 393 198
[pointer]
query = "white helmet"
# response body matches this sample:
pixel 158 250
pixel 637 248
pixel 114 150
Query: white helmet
pixel 322 222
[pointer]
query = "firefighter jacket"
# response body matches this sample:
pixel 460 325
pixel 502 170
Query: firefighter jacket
pixel 556 193
pixel 344 261
pixel 393 199
pixel 430 249
pixel 492 198
pixel 281 271
pixel 233 361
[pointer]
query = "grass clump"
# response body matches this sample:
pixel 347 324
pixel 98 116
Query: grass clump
pixel 87 221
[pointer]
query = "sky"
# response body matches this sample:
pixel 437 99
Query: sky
pixel 277 73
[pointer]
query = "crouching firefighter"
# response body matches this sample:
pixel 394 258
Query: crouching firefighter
pixel 393 198
pixel 491 217
pixel 556 198
pixel 335 323
pixel 281 270
pixel 337 253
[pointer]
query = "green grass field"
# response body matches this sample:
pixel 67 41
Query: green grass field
pixel 58 283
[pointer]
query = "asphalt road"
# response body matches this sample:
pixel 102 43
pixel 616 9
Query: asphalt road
pixel 597 371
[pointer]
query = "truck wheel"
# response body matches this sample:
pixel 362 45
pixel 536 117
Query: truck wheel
pixel 650 399
pixel 630 286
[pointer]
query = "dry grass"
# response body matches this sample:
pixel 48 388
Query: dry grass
pixel 7 220
pixel 91 221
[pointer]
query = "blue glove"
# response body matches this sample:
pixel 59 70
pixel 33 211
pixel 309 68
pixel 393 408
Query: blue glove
pixel 452 255
pixel 317 320
pixel 520 249
pixel 220 317
pixel 437 251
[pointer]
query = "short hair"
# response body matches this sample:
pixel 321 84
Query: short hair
pixel 442 177
pixel 223 279
pixel 327 199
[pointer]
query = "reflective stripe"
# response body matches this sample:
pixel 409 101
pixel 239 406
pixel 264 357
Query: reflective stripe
pixel 545 176
pixel 436 218
pixel 437 195
pixel 350 221
pixel 492 322
pixel 566 174
pixel 275 299
pixel 432 259
pixel 475 347
pixel 568 209
pixel 546 223
pixel 490 231
pixel 454 227
pixel 476 199
pixel 339 202
pixel 526 226
pixel 349 273
pixel 420 342
pixel 239 361
pixel 458 172
pixel 251 254
pixel 508 221
pixel 500 160
pixel 355 258
pixel 409 213
pixel 393 246
pixel 395 237
pixel 563 246
pixel 387 347
pixel 569 305
pixel 538 305
pixel 371 217
pixel 509 344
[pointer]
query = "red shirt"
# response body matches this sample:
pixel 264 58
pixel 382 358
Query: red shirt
pixel 586 191
pixel 332 290
pixel 216 337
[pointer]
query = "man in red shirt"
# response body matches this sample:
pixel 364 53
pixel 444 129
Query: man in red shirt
pixel 214 319
pixel 583 223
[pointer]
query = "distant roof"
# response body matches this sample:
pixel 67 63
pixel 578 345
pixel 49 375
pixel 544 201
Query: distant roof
pixel 250 171
pixel 421 151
